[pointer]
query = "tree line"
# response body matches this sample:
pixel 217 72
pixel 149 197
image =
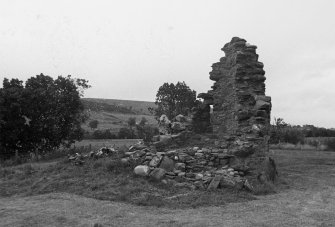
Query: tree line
pixel 43 114
pixel 280 131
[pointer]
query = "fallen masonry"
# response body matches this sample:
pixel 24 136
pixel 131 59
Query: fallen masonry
pixel 199 166
pixel 195 167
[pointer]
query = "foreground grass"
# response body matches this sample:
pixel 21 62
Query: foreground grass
pixel 107 179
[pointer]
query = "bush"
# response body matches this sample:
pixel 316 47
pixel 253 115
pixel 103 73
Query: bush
pixel 146 132
pixel 294 136
pixel 125 133
pixel 99 134
pixel 93 124
pixel 331 144
pixel 282 132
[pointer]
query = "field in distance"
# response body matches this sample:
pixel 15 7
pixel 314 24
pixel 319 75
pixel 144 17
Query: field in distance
pixel 113 114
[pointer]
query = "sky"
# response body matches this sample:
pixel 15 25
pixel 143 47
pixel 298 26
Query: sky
pixel 127 49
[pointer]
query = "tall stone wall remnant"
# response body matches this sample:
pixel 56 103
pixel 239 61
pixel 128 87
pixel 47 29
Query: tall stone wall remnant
pixel 241 110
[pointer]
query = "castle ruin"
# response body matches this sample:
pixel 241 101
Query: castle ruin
pixel 241 110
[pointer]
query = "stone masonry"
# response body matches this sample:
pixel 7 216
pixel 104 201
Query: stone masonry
pixel 241 111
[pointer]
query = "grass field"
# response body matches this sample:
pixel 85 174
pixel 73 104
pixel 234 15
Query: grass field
pixel 115 121
pixel 59 194
pixel 139 106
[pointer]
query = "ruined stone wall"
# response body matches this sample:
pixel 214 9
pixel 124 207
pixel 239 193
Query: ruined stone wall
pixel 241 111
pixel 239 91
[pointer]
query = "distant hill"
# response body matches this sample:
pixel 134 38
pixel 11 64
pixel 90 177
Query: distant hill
pixel 120 106
pixel 113 114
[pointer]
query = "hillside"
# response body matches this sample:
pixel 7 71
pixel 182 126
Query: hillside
pixel 121 106
pixel 113 114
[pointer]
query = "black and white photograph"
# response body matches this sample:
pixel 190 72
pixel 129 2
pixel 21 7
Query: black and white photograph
pixel 167 113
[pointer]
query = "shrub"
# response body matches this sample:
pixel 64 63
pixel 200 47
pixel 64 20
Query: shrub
pixel 125 133
pixel 331 144
pixel 93 124
pixel 99 134
pixel 294 136
pixel 146 132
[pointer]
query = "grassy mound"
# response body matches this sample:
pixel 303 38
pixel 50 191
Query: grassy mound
pixel 107 179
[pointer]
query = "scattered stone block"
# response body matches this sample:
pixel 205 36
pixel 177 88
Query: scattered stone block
pixel 199 184
pixel 180 166
pixel 214 183
pixel 142 170
pixel 167 164
pixel 178 127
pixel 228 182
pixel 155 161
pixel 157 174
pixel 199 176
pixel 124 160
pixel 248 186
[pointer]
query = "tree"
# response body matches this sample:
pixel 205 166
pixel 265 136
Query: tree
pixel 132 123
pixel 174 99
pixel 280 131
pixel 143 121
pixel 145 131
pixel 41 115
pixel 12 124
pixel 93 124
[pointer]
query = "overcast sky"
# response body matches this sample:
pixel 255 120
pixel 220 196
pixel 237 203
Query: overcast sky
pixel 127 49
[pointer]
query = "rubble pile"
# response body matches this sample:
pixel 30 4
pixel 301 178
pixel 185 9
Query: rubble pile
pixel 78 159
pixel 172 132
pixel 193 167
pixel 204 168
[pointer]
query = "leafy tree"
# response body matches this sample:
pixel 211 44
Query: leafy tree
pixel 143 121
pixel 145 131
pixel 313 131
pixel 93 124
pixel 173 99
pixel 12 124
pixel 280 131
pixel 132 123
pixel 41 115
